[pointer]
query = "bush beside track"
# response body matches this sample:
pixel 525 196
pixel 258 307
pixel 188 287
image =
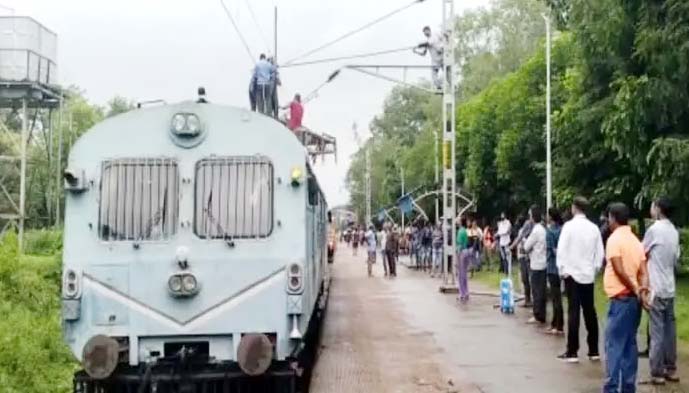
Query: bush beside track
pixel 33 358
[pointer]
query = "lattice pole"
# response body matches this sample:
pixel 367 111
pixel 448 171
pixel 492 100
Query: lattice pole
pixel 449 160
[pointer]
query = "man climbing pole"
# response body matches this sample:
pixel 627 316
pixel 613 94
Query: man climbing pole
pixel 434 46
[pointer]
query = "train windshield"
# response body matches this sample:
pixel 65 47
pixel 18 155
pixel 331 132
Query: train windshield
pixel 234 198
pixel 138 199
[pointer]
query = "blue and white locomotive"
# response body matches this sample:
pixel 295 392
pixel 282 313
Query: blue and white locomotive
pixel 194 252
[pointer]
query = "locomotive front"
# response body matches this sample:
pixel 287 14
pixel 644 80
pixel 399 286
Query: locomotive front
pixel 194 251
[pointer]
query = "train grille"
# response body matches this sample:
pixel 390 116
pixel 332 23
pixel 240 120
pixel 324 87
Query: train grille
pixel 138 199
pixel 234 198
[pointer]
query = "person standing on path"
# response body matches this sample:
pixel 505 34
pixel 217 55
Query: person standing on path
pixel 503 237
pixel 463 254
pixel 661 245
pixel 427 245
pixel 383 241
pixel 437 251
pixel 370 237
pixel 523 258
pixel 535 246
pixel 554 281
pixel 392 248
pixel 624 282
pixel 579 256
pixel 355 241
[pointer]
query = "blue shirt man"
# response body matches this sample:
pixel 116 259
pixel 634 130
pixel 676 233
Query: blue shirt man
pixel 264 71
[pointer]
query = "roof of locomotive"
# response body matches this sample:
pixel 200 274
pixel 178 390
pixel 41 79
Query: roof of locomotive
pixel 226 131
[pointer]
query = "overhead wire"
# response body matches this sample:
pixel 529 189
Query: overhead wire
pixel 258 26
pixel 352 32
pixel 239 33
pixel 349 57
pixel 314 93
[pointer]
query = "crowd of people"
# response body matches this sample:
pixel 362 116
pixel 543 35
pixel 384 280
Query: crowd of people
pixel 562 252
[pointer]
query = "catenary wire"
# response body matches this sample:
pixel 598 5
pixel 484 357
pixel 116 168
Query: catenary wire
pixel 351 33
pixel 258 26
pixel 239 33
pixel 359 56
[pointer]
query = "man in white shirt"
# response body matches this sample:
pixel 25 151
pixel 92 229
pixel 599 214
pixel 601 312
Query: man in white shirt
pixel 535 246
pixel 383 239
pixel 434 46
pixel 503 235
pixel 580 255
pixel 661 244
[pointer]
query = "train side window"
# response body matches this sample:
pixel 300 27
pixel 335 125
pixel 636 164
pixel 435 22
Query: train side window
pixel 314 193
pixel 138 199
pixel 234 198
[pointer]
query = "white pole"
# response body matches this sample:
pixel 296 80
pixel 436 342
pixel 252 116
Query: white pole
pixel 437 135
pixel 368 187
pixel 549 164
pixel 402 211
pixel 22 175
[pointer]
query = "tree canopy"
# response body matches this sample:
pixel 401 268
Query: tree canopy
pixel 620 102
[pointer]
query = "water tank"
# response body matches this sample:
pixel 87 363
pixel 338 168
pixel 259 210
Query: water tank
pixel 28 51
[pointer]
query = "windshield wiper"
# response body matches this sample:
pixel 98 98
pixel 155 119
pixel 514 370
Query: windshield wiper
pixel 158 216
pixel 218 227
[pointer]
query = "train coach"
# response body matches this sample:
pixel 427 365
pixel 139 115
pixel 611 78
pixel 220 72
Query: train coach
pixel 194 253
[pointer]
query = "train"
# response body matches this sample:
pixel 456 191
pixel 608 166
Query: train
pixel 195 253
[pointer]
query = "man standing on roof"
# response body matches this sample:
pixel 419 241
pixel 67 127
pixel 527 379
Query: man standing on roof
pixel 264 73
pixel 434 45
pixel 275 82
pixel 296 112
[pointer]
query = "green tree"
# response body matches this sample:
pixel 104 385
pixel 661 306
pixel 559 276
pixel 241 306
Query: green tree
pixel 118 105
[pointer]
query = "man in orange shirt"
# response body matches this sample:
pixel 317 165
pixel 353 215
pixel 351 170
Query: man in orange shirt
pixel 625 283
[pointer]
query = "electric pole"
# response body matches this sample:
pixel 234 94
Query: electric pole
pixel 449 182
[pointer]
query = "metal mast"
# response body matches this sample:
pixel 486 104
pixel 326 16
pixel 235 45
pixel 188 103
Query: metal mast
pixel 449 181
pixel 368 185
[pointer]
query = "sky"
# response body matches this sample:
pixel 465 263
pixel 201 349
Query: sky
pixel 165 49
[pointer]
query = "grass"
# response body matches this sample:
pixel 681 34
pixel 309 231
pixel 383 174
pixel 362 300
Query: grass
pixel 34 358
pixel 491 278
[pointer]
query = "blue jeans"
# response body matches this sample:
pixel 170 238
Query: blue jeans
pixel 621 351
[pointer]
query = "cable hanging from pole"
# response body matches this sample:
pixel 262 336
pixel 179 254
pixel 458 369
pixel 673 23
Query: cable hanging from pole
pixel 359 56
pixel 239 33
pixel 351 33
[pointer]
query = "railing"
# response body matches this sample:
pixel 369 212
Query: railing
pixel 24 65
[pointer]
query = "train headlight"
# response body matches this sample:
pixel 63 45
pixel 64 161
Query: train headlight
pixel 193 124
pixel 174 283
pixel 295 278
pixel 70 284
pixel 186 125
pixel 189 283
pixel 183 285
pixel 100 356
pixel 179 122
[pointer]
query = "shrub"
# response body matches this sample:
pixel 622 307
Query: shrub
pixel 684 244
pixel 43 242
pixel 33 357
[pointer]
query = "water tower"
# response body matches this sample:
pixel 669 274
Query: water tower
pixel 28 96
